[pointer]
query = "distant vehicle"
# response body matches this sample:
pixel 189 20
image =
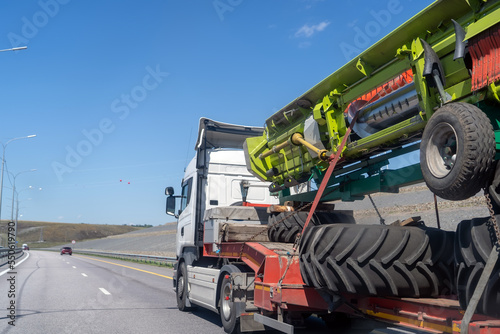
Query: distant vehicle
pixel 25 247
pixel 66 250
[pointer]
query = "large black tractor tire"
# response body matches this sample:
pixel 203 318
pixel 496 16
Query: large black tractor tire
pixel 284 226
pixel 457 151
pixel 378 260
pixel 473 244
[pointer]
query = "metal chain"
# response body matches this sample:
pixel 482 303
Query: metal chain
pixel 382 220
pixel 492 215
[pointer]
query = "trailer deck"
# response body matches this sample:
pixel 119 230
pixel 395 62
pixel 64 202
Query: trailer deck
pixel 278 288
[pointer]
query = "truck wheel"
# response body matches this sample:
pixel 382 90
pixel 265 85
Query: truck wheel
pixel 457 151
pixel 182 288
pixel 474 241
pixel 284 226
pixel 230 321
pixel 378 260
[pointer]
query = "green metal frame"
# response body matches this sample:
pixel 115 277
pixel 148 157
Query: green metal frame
pixel 365 177
pixel 326 102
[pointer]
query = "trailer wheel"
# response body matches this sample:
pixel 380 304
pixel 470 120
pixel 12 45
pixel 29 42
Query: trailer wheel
pixel 457 151
pixel 284 226
pixel 378 260
pixel 182 288
pixel 228 316
pixel 474 241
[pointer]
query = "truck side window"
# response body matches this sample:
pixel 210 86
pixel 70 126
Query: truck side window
pixel 185 194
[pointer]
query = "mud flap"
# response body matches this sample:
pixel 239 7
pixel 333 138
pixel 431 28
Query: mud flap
pixel 248 324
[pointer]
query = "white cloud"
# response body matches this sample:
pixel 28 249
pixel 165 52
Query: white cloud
pixel 307 30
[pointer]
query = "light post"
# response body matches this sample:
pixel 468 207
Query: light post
pixel 3 164
pixel 17 204
pixel 14 190
pixel 15 49
pixel 3 155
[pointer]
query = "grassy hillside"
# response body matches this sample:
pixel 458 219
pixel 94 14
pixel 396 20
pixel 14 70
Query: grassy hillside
pixel 32 232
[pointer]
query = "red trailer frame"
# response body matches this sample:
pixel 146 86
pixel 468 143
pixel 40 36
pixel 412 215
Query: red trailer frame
pixel 279 287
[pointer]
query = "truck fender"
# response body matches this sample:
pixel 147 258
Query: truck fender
pixel 188 255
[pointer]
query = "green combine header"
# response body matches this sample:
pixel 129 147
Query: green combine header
pixel 431 84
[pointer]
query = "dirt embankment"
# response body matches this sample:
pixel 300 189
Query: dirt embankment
pixel 158 240
pixel 416 201
pixel 34 232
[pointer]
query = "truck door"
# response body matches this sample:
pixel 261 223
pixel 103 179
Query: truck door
pixel 185 228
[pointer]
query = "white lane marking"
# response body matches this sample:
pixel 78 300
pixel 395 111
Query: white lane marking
pixel 104 291
pixel 18 263
pixel 74 267
pixel 84 275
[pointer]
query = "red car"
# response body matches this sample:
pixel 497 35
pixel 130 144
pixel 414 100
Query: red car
pixel 66 250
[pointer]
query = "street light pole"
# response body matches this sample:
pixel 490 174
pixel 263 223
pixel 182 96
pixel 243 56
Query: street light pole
pixel 17 204
pixel 14 190
pixel 3 155
pixel 15 49
pixel 3 164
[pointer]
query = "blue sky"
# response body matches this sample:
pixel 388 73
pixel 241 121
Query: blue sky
pixel 114 89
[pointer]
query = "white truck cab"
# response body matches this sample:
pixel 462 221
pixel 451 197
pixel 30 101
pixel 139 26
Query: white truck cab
pixel 216 189
pixel 217 176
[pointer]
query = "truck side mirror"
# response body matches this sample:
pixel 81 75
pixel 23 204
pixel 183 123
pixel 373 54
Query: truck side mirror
pixel 169 191
pixel 171 206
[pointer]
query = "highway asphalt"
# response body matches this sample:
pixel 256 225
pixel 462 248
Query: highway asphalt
pixel 83 294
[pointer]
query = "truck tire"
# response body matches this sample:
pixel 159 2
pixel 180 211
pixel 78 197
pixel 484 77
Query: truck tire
pixel 182 288
pixel 457 151
pixel 228 316
pixel 474 241
pixel 378 260
pixel 284 226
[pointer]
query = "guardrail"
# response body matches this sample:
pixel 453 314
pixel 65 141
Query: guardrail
pixel 4 253
pixel 127 256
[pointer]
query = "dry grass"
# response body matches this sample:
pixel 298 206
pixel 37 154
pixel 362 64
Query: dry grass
pixel 477 201
pixel 30 232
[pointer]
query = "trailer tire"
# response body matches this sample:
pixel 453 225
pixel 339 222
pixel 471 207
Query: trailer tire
pixel 474 241
pixel 457 151
pixel 182 288
pixel 284 226
pixel 378 260
pixel 228 316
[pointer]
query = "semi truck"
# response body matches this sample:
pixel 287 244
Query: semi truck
pixel 259 239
